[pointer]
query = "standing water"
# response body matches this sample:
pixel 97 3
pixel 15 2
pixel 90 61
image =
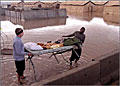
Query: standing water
pixel 101 39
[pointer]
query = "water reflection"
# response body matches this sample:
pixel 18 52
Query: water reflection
pixel 50 24
pixel 75 16
pixel 31 24
pixel 82 16
pixel 85 15
pixel 109 19
pixel 112 19
pixel 101 38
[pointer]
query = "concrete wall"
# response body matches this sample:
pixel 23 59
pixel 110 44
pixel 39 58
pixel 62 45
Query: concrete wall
pixel 34 14
pixel 100 71
pixel 37 14
pixel 109 67
pixel 86 75
pixel 13 14
pixel 2 11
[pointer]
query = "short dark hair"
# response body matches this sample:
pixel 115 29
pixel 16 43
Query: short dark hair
pixel 83 28
pixel 18 31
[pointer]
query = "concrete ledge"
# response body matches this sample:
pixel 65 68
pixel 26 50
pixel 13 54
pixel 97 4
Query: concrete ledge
pixel 100 71
pixel 86 75
pixel 109 67
pixel 7 51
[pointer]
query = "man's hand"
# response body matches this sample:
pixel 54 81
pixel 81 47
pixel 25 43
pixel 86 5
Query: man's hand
pixel 29 54
pixel 63 36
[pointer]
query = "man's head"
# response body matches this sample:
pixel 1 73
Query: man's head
pixel 82 30
pixel 19 32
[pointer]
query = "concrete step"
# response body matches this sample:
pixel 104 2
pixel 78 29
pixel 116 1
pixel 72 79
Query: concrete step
pixel 6 51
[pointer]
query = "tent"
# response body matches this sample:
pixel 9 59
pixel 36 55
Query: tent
pixel 78 6
pixel 111 11
pixel 99 6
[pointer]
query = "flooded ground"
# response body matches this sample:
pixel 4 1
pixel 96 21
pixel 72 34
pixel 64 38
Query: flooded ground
pixel 101 39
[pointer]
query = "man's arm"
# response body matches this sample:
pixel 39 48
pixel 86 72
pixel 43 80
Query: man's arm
pixel 70 35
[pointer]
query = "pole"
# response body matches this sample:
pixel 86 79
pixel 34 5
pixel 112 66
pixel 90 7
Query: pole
pixel 22 0
pixel 22 4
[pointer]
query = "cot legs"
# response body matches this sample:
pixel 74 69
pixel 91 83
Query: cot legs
pixel 55 57
pixel 30 61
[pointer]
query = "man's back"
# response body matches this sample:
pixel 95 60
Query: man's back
pixel 80 36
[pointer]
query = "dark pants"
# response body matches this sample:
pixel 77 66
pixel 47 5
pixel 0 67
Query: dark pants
pixel 20 66
pixel 74 56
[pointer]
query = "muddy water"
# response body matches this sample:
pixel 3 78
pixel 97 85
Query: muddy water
pixel 101 38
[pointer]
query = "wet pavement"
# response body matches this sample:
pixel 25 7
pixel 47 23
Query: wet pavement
pixel 101 39
pixel 44 68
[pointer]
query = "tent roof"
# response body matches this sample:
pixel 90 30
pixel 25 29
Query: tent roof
pixel 113 3
pixel 25 3
pixel 75 2
pixel 33 3
pixel 100 2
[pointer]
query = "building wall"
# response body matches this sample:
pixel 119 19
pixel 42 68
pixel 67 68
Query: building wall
pixel 37 14
pixel 98 8
pixel 89 7
pixel 111 14
pixel 2 11
pixel 80 8
pixel 76 9
pixel 71 8
pixel 108 10
pixel 112 9
pixel 83 8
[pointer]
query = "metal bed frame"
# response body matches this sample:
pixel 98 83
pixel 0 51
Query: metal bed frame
pixel 54 52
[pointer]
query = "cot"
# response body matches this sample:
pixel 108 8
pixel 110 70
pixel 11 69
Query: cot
pixel 54 52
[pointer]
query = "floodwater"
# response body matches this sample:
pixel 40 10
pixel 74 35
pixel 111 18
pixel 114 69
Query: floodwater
pixel 101 39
